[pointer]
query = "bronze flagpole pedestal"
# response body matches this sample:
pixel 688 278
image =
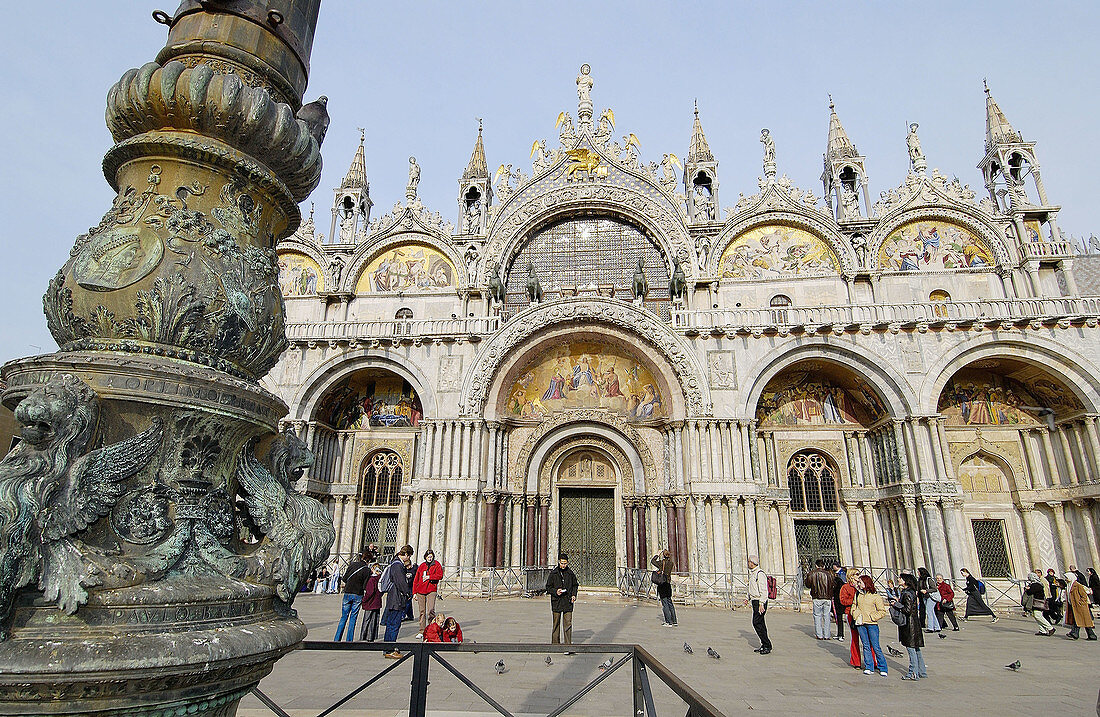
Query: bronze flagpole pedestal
pixel 151 537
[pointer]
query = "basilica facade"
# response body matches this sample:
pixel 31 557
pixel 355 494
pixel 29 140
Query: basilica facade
pixel 599 357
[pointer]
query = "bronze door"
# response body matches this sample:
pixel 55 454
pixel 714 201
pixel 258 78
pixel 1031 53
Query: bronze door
pixel 587 534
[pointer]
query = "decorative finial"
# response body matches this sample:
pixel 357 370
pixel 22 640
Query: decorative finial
pixel 479 125
pixel 362 135
pixel 986 85
pixel 830 100
pixel 311 205
pixel 696 106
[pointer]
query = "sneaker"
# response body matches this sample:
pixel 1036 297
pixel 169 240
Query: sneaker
pixel 419 636
pixel 884 674
pixel 955 629
pixel 995 619
pixel 839 638
pixel 868 672
pixel 765 652
pixel 1042 633
pixel 909 678
pixel 675 624
pixel 395 655
pixel 758 649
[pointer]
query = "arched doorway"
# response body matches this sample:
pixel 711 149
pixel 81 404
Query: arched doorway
pixel 586 480
pixel 811 479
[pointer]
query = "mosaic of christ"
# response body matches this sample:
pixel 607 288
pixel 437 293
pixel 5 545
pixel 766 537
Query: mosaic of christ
pixel 586 375
pixel 817 395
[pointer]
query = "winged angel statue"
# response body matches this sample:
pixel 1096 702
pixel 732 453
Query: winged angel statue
pixel 297 527
pixel 49 492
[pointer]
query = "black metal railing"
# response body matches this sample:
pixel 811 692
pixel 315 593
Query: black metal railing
pixel 421 655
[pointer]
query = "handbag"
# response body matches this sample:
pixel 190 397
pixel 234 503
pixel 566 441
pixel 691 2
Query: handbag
pixel 947 604
pixel 898 617
pixel 658 577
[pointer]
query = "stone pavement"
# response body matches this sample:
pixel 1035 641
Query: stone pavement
pixel 801 676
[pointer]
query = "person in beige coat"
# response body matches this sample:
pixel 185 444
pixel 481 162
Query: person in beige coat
pixel 867 609
pixel 1077 609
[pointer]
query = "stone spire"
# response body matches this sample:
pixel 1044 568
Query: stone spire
pixel 839 144
pixel 477 168
pixel 357 173
pixel 699 150
pixel 997 128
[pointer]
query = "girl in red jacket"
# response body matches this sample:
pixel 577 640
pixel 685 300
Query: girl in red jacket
pixel 425 586
pixel 443 629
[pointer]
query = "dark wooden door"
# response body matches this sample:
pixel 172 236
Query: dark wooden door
pixel 587 534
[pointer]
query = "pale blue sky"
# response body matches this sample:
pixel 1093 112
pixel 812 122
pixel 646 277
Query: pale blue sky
pixel 416 75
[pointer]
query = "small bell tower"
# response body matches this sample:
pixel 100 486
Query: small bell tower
pixel 1009 163
pixel 352 204
pixel 475 192
pixel 701 177
pixel 845 174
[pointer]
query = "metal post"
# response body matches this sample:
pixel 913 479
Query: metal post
pixel 418 699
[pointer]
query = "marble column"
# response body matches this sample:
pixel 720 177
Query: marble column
pixel 500 535
pixel 706 556
pixel 725 438
pixel 338 522
pixel 1052 459
pixel 628 508
pixel 786 542
pixel 532 526
pixel 643 535
pixel 762 532
pixel 904 464
pixel 876 553
pixel 1089 523
pixel 1034 469
pixel 734 534
pixel 491 464
pixel 754 453
pixel 469 529
pixel 1067 455
pixel 957 540
pixel 721 535
pixel 403 519
pixel 669 513
pixel 1027 517
pixel 515 554
pixel 752 541
pixel 424 537
pixel 489 545
pixel 439 529
pixel 544 531
pixel 937 547
pixel 859 551
pixel 428 449
pixel 680 503
pixel 1062 526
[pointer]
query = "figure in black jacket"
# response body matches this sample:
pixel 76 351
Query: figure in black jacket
pixel 561 586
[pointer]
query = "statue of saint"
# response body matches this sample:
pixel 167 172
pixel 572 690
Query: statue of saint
pixel 769 145
pixel 414 178
pixel 584 85
pixel 912 141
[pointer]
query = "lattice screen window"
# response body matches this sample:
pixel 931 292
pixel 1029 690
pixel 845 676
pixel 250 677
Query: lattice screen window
pixel 812 481
pixel 989 539
pixel 381 480
pixel 588 253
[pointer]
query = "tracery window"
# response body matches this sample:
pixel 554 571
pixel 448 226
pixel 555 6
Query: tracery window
pixel 812 481
pixel 381 480
pixel 589 254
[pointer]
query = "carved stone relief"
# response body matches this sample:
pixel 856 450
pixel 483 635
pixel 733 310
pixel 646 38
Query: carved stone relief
pixel 721 369
pixel 450 373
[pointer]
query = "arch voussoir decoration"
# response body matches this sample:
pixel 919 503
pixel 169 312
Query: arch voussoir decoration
pixel 595 310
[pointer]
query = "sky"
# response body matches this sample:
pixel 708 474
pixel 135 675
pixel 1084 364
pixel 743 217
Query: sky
pixel 417 76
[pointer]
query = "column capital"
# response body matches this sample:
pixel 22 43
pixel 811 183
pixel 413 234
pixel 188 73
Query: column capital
pixel 1025 507
pixel 678 501
pixel 492 497
pixel 545 500
pixel 469 494
pixel 532 501
pixel 909 502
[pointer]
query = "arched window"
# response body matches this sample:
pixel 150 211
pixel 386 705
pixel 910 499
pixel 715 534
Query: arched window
pixel 402 319
pixel 939 296
pixel 811 477
pixel 780 301
pixel 380 483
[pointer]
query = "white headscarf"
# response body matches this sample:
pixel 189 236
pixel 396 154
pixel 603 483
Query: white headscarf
pixel 1071 578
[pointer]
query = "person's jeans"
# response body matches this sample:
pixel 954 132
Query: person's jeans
pixel 930 610
pixel 916 663
pixel 563 621
pixel 370 625
pixel 822 619
pixel 348 615
pixel 408 614
pixel 392 620
pixel 1044 624
pixel 872 651
pixel 760 626
pixel 669 611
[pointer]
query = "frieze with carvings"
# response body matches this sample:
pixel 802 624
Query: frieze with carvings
pixel 363 447
pixel 527 323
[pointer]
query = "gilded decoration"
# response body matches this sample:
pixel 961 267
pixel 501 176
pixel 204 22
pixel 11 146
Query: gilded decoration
pixel 981 474
pixel 929 245
pixel 774 250
pixel 981 397
pixel 556 463
pixel 407 268
pixel 299 275
pixel 371 399
pixel 818 394
pixel 585 374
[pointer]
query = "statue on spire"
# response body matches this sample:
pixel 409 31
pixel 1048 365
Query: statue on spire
pixel 769 153
pixel 917 162
pixel 414 179
pixel 584 96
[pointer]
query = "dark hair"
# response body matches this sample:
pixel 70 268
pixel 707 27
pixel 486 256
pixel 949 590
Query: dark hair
pixel 923 573
pixel 868 583
pixel 563 556
pixel 428 552
pixel 910 580
pixel 406 550
pixel 819 563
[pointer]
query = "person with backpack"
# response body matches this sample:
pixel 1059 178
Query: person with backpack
pixel 426 588
pixel 975 601
pixel 905 612
pixel 662 578
pixel 762 587
pixel 395 586
pixel 866 611
pixel 945 608
pixel 354 583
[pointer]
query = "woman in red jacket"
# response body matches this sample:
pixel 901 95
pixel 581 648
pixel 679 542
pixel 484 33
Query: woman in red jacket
pixel 945 608
pixel 425 587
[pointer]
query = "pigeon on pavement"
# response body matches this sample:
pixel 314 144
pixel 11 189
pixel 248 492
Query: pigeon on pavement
pixel 687 649
pixel 606 664
pixel 548 660
pixel 315 115
pixel 894 652
pixel 501 669
pixel 1015 666
pixel 941 636
pixel 712 653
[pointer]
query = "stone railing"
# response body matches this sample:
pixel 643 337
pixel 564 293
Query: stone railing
pixel 395 328
pixel 1048 250
pixel 933 313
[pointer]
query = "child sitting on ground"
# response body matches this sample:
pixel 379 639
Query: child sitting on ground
pixel 443 629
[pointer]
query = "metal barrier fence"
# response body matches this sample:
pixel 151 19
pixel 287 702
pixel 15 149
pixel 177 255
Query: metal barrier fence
pixel 999 592
pixel 421 655
pixel 711 589
pixel 467 582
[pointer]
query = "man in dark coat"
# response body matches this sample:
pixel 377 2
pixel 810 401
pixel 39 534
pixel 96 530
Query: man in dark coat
pixel 839 580
pixel 398 593
pixel 561 586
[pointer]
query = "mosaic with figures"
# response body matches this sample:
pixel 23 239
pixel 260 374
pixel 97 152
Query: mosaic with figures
pixel 978 397
pixel 299 275
pixel 407 268
pixel 931 245
pixel 371 399
pixel 771 251
pixel 817 394
pixel 586 375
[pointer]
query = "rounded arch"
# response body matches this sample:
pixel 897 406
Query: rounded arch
pixel 993 455
pixel 336 368
pixel 809 222
pixel 549 472
pixel 564 429
pixel 293 245
pixel 365 254
pixel 641 326
pixel 962 216
pixel 896 393
pixel 521 217
pixel 1068 366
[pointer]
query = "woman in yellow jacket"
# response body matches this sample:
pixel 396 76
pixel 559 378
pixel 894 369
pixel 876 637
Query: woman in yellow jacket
pixel 867 610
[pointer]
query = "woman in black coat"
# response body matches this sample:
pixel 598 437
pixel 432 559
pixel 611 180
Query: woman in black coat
pixel 911 634
pixel 1094 585
pixel 975 603
pixel 662 578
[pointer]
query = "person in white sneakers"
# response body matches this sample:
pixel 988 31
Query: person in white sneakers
pixel 758 598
